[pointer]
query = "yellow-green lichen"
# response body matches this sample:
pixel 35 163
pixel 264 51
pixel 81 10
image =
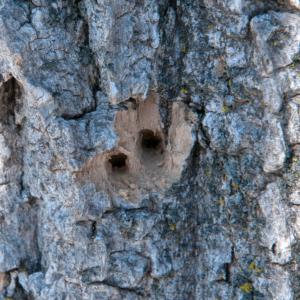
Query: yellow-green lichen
pixel 229 82
pixel 225 109
pixel 221 202
pixel 207 171
pixel 184 90
pixel 253 267
pixel 235 186
pixel 172 227
pixel 246 287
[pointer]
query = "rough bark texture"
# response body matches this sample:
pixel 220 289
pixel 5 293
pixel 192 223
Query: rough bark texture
pixel 149 149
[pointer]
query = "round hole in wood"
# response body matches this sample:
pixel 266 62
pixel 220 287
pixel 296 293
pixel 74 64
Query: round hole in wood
pixel 118 161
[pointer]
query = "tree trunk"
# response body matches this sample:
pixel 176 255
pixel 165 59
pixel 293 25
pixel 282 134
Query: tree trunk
pixel 149 149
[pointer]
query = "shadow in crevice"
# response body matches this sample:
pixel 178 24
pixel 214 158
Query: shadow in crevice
pixel 10 92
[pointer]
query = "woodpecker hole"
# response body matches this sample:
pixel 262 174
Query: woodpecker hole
pixel 118 161
pixel 150 141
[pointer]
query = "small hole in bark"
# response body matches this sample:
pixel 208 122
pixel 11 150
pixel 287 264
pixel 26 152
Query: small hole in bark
pixel 10 92
pixel 132 103
pixel 150 141
pixel 2 217
pixel 118 161
pixel 227 272
pixel 94 229
pixel 274 248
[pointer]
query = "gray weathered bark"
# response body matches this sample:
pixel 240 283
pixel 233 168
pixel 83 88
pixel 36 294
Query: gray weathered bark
pixel 149 149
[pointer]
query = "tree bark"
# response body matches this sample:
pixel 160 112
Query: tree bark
pixel 149 149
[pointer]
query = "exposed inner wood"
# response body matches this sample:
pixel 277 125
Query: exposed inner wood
pixel 145 159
